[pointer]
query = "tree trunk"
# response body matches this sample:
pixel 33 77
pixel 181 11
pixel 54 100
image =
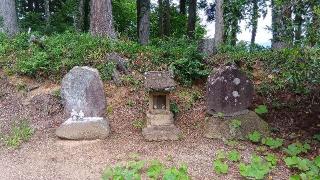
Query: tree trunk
pixel 160 18
pixel 182 6
pixel 47 12
pixel 8 17
pixel 276 19
pixel 254 21
pixel 219 26
pixel 298 21
pixel 143 24
pixel 192 18
pixel 287 26
pixel 166 19
pixel 101 21
pixel 80 16
pixel 313 29
pixel 234 30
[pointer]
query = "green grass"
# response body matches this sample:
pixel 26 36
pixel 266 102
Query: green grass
pixel 20 132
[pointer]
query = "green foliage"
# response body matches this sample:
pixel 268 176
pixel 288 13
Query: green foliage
pixel 138 123
pixel 254 136
pixel 297 162
pixel 297 148
pixel 272 158
pixel 257 169
pixel 261 109
pixel 317 137
pixel 135 170
pixel 292 69
pixel 174 108
pixel 235 124
pixel 106 70
pixel 272 143
pixel 174 173
pixel 125 17
pixel 220 167
pixel 20 133
pixel 155 170
pixel 131 171
pixel 234 156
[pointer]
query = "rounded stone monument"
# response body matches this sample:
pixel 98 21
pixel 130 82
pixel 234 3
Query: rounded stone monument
pixel 229 92
pixel 84 103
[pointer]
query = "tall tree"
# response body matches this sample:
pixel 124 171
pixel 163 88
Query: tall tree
pixel 298 20
pixel 80 16
pixel 160 18
pixel 166 18
pixel 192 18
pixel 219 23
pixel 314 28
pixel 143 24
pixel 47 12
pixel 101 21
pixel 254 20
pixel 182 6
pixel 8 17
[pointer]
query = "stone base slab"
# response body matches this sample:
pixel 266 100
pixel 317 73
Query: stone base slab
pixel 159 119
pixel 221 128
pixel 161 133
pixel 87 129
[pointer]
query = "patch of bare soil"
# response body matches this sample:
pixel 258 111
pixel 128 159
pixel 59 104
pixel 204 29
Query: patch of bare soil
pixel 47 157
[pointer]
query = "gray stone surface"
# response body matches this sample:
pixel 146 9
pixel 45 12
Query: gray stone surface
pixel 222 128
pixel 229 91
pixel 161 133
pixel 87 129
pixel 206 46
pixel 82 89
pixel 159 81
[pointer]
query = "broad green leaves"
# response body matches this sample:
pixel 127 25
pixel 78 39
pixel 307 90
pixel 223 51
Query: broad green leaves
pixel 220 167
pixel 297 148
pixel 261 109
pixel 272 143
pixel 257 168
pixel 254 137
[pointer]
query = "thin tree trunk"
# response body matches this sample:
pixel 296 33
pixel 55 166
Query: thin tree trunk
pixel 234 30
pixel 101 21
pixel 143 10
pixel 166 19
pixel 298 21
pixel 315 25
pixel 182 7
pixel 276 19
pixel 254 22
pixel 160 18
pixel 219 26
pixel 47 12
pixel 192 18
pixel 8 17
pixel 80 16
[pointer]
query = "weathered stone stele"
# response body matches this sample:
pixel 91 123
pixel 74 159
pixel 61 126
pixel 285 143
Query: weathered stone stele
pixel 84 103
pixel 82 89
pixel 229 92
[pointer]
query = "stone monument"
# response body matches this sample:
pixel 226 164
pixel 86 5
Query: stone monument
pixel 160 121
pixel 84 103
pixel 229 94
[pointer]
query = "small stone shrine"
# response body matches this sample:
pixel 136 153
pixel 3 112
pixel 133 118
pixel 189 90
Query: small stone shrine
pixel 160 121
pixel 84 103
pixel 229 94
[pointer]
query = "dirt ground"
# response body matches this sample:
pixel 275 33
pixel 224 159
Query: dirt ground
pixel 47 157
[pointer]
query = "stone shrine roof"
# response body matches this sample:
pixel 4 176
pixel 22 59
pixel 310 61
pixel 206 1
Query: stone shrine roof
pixel 159 81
